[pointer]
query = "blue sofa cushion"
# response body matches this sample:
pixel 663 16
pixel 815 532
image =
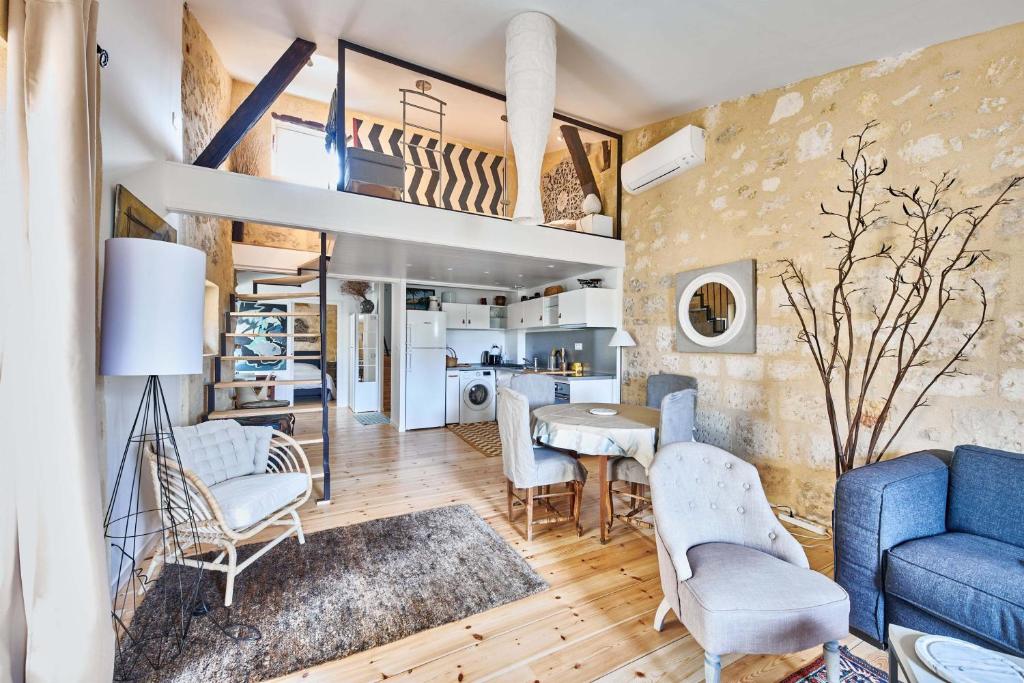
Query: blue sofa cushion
pixel 976 583
pixel 986 494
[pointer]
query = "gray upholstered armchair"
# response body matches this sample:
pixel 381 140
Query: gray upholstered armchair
pixel 734 576
pixel 539 390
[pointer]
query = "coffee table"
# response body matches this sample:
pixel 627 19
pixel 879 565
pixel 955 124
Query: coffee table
pixel 903 659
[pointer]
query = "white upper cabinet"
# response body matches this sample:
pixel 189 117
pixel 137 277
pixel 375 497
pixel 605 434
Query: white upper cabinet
pixel 587 307
pixel 533 310
pixel 466 316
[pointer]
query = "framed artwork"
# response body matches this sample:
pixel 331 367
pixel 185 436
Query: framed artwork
pixel 716 309
pixel 132 218
pixel 417 299
pixel 259 345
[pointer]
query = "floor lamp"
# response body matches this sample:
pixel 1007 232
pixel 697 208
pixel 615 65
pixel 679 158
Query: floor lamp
pixel 152 326
pixel 620 339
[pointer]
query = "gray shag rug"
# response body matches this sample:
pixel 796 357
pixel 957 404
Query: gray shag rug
pixel 347 590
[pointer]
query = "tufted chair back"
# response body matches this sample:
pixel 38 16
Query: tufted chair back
pixel 678 417
pixel 703 494
pixel 539 390
pixel 661 385
pixel 219 450
pixel 516 443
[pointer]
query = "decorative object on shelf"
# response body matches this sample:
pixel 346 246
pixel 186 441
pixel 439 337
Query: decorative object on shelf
pixel 530 53
pixel 433 304
pixel 591 204
pixel 926 270
pixel 483 301
pixel 447 297
pixel 536 295
pixel 499 300
pixel 716 309
pixel 417 299
pixel 451 359
pixel 589 282
pixel 553 290
pixel 152 325
pixel 620 340
pixel 359 289
pixel 524 298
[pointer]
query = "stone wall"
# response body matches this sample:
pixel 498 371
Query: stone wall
pixel 771 160
pixel 205 105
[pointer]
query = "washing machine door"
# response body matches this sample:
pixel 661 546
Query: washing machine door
pixel 478 395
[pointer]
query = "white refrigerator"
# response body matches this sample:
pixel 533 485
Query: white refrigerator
pixel 424 389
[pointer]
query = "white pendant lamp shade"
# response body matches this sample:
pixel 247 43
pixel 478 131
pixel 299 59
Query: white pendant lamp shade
pixel 530 103
pixel 152 321
pixel 621 338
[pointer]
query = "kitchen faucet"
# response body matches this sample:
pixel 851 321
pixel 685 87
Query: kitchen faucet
pixel 528 361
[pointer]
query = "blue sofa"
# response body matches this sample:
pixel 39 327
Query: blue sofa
pixel 936 544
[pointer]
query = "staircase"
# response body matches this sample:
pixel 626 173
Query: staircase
pixel 224 368
pixel 705 305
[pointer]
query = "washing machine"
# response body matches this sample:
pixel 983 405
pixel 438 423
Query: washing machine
pixel 477 397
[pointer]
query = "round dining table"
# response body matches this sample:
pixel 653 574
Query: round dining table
pixel 631 432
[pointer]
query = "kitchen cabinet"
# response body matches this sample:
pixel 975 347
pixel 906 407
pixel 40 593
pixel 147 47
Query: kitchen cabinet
pixel 452 394
pixel 588 390
pixel 533 310
pixel 467 316
pixel 589 307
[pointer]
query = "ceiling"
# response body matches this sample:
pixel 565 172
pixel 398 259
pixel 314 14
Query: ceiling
pixel 373 257
pixel 620 64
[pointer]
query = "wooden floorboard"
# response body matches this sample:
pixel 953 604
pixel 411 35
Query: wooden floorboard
pixel 592 624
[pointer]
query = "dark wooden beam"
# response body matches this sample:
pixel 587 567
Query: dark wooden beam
pixel 578 154
pixel 256 104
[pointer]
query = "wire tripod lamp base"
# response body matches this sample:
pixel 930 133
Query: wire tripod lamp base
pixel 151 623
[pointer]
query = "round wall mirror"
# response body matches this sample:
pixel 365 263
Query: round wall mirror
pixel 712 309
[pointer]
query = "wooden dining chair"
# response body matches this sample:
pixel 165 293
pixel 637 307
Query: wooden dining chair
pixel 531 471
pixel 677 423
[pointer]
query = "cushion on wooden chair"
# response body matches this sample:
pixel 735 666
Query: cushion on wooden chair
pixel 247 500
pixel 627 469
pixel 221 449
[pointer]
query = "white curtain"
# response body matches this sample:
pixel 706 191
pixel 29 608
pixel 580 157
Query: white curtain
pixel 54 594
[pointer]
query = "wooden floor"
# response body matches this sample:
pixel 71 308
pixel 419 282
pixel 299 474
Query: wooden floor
pixel 594 624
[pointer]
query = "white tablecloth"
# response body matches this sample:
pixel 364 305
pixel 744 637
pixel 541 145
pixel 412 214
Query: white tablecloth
pixel 632 432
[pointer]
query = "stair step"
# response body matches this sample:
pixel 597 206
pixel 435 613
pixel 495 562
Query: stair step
pixel 286 281
pixel 275 297
pixel 254 412
pixel 263 383
pixel 279 314
pixel 312 264
pixel 297 335
pixel 268 358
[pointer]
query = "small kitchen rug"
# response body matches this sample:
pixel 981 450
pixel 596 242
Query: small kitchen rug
pixel 483 436
pixel 372 418
pixel 347 590
pixel 853 669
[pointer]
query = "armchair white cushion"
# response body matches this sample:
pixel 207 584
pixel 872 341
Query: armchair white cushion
pixel 246 500
pixel 221 449
pixel 731 572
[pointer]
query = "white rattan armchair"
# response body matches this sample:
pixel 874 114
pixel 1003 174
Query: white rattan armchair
pixel 213 522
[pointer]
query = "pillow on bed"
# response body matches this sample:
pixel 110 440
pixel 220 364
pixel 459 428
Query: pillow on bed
pixel 306 371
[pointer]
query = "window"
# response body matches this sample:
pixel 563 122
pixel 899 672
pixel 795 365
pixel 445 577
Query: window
pixel 299 155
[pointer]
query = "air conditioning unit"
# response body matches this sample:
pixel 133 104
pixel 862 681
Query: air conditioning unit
pixel 679 152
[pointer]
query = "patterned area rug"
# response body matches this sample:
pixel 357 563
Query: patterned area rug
pixel 483 436
pixel 372 418
pixel 854 670
pixel 347 590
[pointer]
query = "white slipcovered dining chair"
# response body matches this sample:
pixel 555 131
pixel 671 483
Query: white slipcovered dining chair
pixel 535 469
pixel 240 480
pixel 676 423
pixel 539 390
pixel 733 575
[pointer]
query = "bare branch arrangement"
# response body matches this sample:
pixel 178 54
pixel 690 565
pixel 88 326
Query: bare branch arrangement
pixel 864 362
pixel 356 288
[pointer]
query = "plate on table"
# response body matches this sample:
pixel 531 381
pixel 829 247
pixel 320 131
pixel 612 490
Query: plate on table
pixel 959 662
pixel 603 412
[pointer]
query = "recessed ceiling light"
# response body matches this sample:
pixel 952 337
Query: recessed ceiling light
pixel 451 269
pixel 408 265
pixel 520 275
pixel 550 266
pixel 487 272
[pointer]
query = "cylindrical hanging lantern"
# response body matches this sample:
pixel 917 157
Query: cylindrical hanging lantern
pixel 530 103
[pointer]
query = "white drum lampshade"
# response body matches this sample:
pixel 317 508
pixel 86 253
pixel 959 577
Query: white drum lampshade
pixel 530 103
pixel 152 322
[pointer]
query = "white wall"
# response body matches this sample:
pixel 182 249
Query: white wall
pixel 140 122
